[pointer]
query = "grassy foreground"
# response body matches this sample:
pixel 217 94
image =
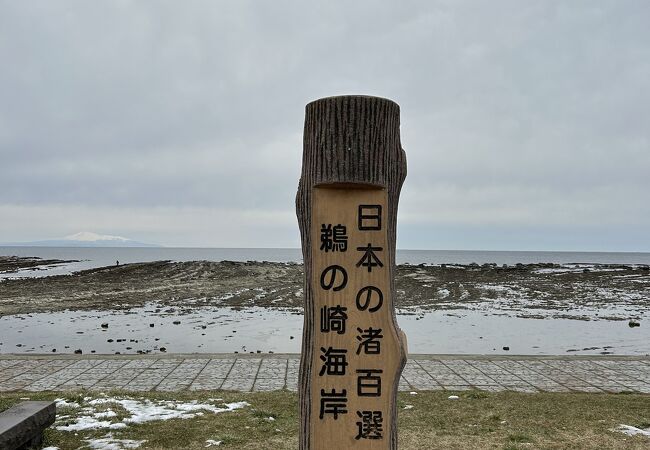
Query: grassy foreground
pixel 428 420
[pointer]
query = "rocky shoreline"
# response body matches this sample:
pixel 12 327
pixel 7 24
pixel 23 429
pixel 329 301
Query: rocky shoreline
pixel 12 264
pixel 616 292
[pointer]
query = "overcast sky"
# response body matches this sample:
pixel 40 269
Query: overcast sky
pixel 526 124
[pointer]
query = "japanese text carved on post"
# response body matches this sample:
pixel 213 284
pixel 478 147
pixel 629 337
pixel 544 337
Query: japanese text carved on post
pixel 353 352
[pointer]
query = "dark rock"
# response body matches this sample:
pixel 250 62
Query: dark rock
pixel 633 323
pixel 151 325
pixel 78 352
pixel 506 348
pixel 53 350
pixel 177 322
pixel 104 325
pixel 109 340
pixel 163 349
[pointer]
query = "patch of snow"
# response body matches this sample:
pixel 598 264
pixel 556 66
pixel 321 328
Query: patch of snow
pixel 453 397
pixel 633 431
pixel 90 423
pixel 408 406
pixel 108 442
pixel 140 411
pixel 413 393
pixel 271 419
pixel 211 442
pixel 443 293
pixel 50 448
pixel 106 414
pixel 573 268
pixel 88 236
pixel 62 403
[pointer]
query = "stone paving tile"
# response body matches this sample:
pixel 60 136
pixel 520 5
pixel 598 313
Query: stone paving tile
pixel 418 378
pixel 238 384
pixel 206 384
pixel 218 367
pixel 271 376
pixel 118 379
pixel 269 384
pixel 5 363
pixel 644 388
pixel 144 363
pixel 267 373
pixel 242 375
pixel 147 379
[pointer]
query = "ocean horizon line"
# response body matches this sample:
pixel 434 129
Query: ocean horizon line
pixel 170 247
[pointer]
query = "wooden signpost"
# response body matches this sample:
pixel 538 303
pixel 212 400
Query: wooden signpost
pixel 353 352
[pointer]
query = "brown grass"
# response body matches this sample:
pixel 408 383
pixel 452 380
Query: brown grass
pixel 476 421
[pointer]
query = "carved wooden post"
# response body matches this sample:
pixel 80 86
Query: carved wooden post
pixel 353 352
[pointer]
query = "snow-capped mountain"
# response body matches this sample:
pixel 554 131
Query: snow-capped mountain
pixel 87 239
pixel 87 236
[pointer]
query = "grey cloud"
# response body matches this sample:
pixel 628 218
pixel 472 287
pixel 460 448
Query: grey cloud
pixel 511 111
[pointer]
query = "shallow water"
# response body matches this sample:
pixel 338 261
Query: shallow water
pixel 226 330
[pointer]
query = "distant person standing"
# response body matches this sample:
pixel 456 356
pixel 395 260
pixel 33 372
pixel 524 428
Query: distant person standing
pixel 117 263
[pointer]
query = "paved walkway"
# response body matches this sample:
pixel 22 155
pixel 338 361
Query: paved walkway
pixel 274 372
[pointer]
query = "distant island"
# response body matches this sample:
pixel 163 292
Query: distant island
pixel 84 239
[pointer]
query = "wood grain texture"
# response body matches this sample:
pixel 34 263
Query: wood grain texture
pixel 350 142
